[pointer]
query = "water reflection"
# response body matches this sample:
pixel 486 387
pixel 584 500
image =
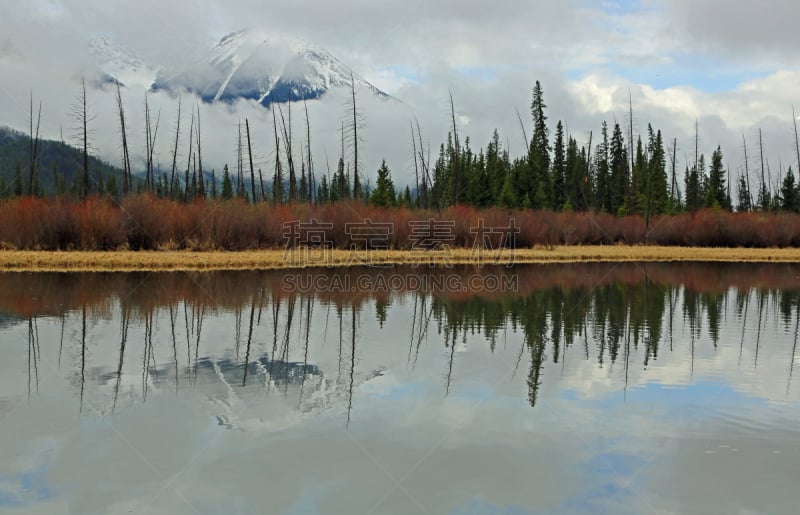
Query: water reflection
pixel 582 378
pixel 624 315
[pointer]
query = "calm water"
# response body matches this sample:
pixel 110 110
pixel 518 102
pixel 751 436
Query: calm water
pixel 624 388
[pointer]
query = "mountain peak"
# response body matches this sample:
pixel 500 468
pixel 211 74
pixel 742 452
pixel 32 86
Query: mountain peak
pixel 250 64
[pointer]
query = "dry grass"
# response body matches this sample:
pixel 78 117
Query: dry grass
pixel 125 261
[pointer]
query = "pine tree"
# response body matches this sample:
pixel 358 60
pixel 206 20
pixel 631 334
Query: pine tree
pixel 213 184
pixel 744 196
pixel 323 192
pixel 538 178
pixel 559 172
pixel 18 186
pixel 508 198
pixel 717 194
pixel 384 194
pixel 620 176
pixel 657 194
pixel 111 186
pixel 227 187
pixel 602 185
pixel 790 195
pixel 496 166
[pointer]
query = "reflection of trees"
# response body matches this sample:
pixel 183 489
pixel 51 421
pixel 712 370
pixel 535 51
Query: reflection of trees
pixel 613 316
pixel 609 312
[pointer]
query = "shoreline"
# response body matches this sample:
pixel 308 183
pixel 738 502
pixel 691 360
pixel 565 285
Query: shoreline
pixel 276 259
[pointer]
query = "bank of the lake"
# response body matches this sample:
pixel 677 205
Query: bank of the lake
pixel 128 261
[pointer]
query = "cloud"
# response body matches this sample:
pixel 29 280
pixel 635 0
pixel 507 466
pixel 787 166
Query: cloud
pixel 681 61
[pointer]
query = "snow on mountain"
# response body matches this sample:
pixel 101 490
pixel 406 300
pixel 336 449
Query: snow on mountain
pixel 251 65
pixel 120 63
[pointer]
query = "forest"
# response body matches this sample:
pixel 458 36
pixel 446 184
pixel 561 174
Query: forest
pixel 624 189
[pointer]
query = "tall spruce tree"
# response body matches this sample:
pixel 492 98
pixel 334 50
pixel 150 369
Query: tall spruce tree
pixel 559 170
pixel 620 177
pixel 657 184
pixel 537 186
pixel 717 194
pixel 602 185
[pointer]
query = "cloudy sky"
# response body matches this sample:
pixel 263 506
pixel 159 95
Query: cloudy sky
pixel 731 65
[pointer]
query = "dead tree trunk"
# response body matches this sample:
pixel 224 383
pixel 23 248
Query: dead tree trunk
pixel 126 161
pixel 250 154
pixel 175 152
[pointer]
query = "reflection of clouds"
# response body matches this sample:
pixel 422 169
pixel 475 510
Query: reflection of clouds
pixel 587 446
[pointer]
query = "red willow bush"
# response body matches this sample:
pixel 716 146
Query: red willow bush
pixel 145 222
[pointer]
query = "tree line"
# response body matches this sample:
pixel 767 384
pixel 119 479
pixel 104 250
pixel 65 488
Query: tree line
pixel 622 174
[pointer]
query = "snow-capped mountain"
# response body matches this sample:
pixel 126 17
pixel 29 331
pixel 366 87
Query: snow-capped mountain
pixel 251 65
pixel 120 63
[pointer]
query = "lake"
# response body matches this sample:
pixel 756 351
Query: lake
pixel 564 388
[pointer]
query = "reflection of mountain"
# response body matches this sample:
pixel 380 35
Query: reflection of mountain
pixel 235 374
pixel 618 324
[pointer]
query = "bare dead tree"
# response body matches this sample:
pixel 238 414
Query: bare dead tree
pixel 147 139
pixel 762 200
pixel 239 164
pixel 201 189
pixel 261 181
pixel 354 125
pixel 80 113
pixel 250 154
pixel 747 172
pixel 277 179
pixel 151 134
pixel 309 166
pixel 287 146
pixel 189 158
pixel 522 128
pixel 126 160
pixel 425 164
pixel 175 151
pixel 796 141
pixel 34 148
pixel 416 169
pixel 456 147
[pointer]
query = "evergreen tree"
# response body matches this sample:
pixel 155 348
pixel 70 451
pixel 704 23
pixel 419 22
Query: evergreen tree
pixel 717 194
pixel 745 203
pixel 790 195
pixel 602 187
pixel 384 194
pixel 508 198
pixel 213 184
pixel 111 186
pixel 303 193
pixel 559 169
pixel 620 176
pixel 638 196
pixel 4 193
pixel 657 194
pixel 497 166
pixel 18 186
pixel 278 194
pixel 538 178
pixel 341 186
pixel 407 201
pixel 323 190
pixel 575 172
pixel 227 187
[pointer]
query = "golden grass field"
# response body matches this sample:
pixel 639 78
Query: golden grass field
pixel 128 261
